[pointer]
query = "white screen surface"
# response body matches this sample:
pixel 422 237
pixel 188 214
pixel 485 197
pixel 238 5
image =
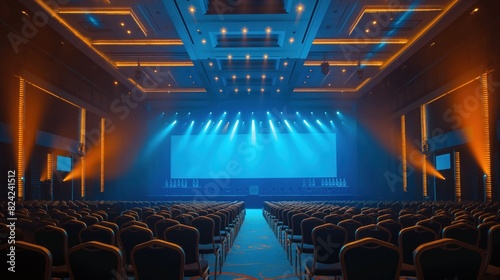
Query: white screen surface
pixel 291 155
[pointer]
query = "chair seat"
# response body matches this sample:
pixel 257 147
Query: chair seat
pixel 192 268
pixel 60 271
pixel 295 238
pixel 324 269
pixel 219 239
pixel 306 249
pixel 209 249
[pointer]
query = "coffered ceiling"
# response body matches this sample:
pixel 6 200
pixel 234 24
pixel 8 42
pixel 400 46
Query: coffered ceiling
pixel 290 50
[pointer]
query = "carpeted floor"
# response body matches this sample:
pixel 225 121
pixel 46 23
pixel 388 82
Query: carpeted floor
pixel 256 253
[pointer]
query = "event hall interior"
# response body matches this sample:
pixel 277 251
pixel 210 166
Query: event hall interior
pixel 255 112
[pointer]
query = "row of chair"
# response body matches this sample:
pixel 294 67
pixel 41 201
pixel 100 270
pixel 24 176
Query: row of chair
pixel 298 226
pixel 210 229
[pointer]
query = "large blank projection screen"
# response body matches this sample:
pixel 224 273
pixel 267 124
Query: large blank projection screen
pixel 254 156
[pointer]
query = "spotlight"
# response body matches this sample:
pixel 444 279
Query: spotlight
pixel 325 68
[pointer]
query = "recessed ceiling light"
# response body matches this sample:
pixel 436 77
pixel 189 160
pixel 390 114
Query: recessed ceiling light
pixel 263 76
pixel 192 9
pixel 474 11
pixel 247 56
pixel 281 77
pixel 210 64
pixel 265 56
pixel 220 90
pixel 216 78
pixel 249 90
pixel 268 30
pixel 223 30
pixel 262 90
pixel 229 56
pixel 367 30
pixel 374 22
pixel 156 71
pixel 116 83
pixel 433 43
pixel 248 76
pixel 203 41
pixel 329 85
pixel 343 70
pixel 122 23
pixel 244 30
pixel 310 70
pixel 307 77
pixel 235 90
pixel 285 63
pixel 129 32
pixel 190 77
pixel 278 90
pixel 300 8
pixel 234 76
pixel 291 40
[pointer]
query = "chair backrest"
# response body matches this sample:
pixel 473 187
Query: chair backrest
pixel 412 237
pixel 113 226
pixel 184 219
pixel 493 248
pixel 97 233
pixel 55 240
pixel 217 224
pixel 351 226
pixel 370 258
pixel 31 261
pixel 375 231
pixel 158 257
pixel 448 258
pixel 443 219
pixel 296 221
pixel 122 219
pixel 484 229
pixel 394 227
pixel 95 260
pixel 134 223
pixel 333 218
pixel 364 219
pixel 205 227
pixel 431 224
pixel 131 236
pixel 188 238
pixel 151 220
pixel 408 220
pixel 73 229
pixel 328 239
pixel 162 225
pixel 90 220
pixel 462 231
pixel 306 228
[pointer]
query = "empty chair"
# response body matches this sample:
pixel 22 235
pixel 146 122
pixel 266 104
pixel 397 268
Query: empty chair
pixel 187 238
pixel 306 245
pixel 114 227
pixel 328 239
pixel 333 218
pixel 462 231
pixel 394 227
pixel 128 238
pixel 375 231
pixel 483 234
pixel 184 219
pixel 218 238
pixel 73 228
pixel 449 258
pixel 408 220
pixel 31 261
pixel 370 258
pixel 364 219
pixel 206 245
pixel 493 251
pixel 134 223
pixel 409 239
pixel 95 260
pixel 295 235
pixel 351 226
pixel 151 221
pixel 89 220
pixel 162 225
pixel 97 233
pixel 56 241
pixel 431 224
pixel 156 259
pixel 120 220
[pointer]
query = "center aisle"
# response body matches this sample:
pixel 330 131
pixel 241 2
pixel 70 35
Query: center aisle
pixel 256 253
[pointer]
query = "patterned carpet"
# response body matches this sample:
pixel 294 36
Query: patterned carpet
pixel 256 253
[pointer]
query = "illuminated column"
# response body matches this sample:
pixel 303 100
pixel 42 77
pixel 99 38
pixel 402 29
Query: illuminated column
pixel 403 152
pixel 458 184
pixel 486 136
pixel 50 171
pixel 423 127
pixel 82 151
pixel 20 139
pixel 102 153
